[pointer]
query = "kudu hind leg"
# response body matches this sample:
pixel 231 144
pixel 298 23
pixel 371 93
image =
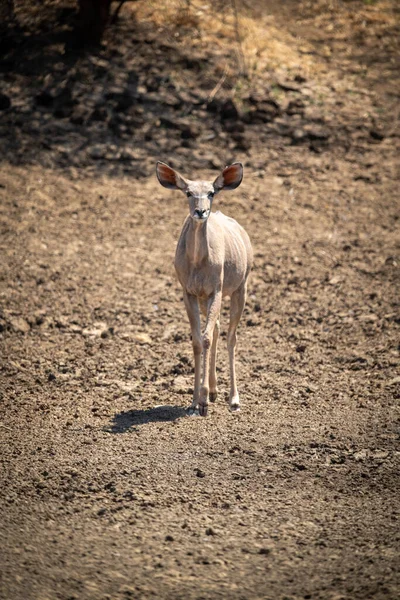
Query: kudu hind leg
pixel 192 309
pixel 238 300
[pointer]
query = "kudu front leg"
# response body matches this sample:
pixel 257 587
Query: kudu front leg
pixel 213 310
pixel 213 356
pixel 192 309
pixel 237 304
pixel 213 363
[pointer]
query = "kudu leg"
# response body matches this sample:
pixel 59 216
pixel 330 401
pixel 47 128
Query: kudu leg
pixel 238 300
pixel 192 309
pixel 214 308
pixel 213 358
pixel 213 363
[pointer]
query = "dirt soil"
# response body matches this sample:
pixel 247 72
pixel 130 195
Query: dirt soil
pixel 107 489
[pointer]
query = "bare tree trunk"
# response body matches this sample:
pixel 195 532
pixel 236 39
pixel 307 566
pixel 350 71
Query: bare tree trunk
pixel 94 16
pixel 6 10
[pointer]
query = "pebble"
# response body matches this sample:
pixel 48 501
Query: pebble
pixel 142 338
pixel 5 101
pixel 19 324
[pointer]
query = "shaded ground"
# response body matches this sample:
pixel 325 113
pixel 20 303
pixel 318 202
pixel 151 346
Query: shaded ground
pixel 107 489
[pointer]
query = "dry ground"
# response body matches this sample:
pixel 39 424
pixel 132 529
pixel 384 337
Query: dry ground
pixel 108 490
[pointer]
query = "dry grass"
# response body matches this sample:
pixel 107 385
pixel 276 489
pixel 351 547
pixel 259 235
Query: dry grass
pixel 198 25
pixel 264 46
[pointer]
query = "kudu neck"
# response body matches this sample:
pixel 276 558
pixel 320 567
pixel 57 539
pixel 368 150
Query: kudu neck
pixel 197 241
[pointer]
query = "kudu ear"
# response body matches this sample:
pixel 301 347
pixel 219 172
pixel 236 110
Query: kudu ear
pixel 230 178
pixel 170 178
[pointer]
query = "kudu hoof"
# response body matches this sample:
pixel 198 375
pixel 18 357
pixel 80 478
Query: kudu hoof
pixel 213 396
pixel 203 409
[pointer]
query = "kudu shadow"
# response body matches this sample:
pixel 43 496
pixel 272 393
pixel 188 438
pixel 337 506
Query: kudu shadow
pixel 131 419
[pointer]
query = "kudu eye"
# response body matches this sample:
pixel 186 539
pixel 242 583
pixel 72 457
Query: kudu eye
pixel 189 194
pixel 210 195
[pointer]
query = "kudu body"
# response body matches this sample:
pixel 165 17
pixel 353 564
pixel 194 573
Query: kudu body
pixel 213 259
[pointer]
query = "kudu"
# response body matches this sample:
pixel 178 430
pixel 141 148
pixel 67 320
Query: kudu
pixel 213 259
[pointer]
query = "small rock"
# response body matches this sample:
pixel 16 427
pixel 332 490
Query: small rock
pixel 335 280
pixel 128 591
pixel 79 115
pixel 5 101
pixel 317 133
pixel 298 136
pixel 99 114
pixel 125 101
pixel 98 151
pixel 269 271
pixel 360 455
pixel 96 331
pixel 128 154
pixel 19 324
pixel 287 86
pixel 63 105
pixel 264 112
pixel 229 110
pixel 380 454
pixel 199 473
pixel 376 135
pixel 142 338
pixel 189 133
pixel 181 384
pixel 168 331
pixel 45 99
pixel 310 389
pixel 309 134
pixel 295 107
pixel 368 318
pixel 169 123
pixel 233 126
pixel 252 322
pixel 299 466
pixel 243 143
pixel 213 106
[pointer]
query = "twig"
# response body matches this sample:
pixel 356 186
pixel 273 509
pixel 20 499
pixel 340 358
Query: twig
pixel 242 60
pixel 116 12
pixel 5 427
pixel 219 84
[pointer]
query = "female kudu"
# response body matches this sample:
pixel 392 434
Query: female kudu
pixel 213 259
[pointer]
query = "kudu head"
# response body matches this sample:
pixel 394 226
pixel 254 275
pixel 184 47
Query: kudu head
pixel 200 193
